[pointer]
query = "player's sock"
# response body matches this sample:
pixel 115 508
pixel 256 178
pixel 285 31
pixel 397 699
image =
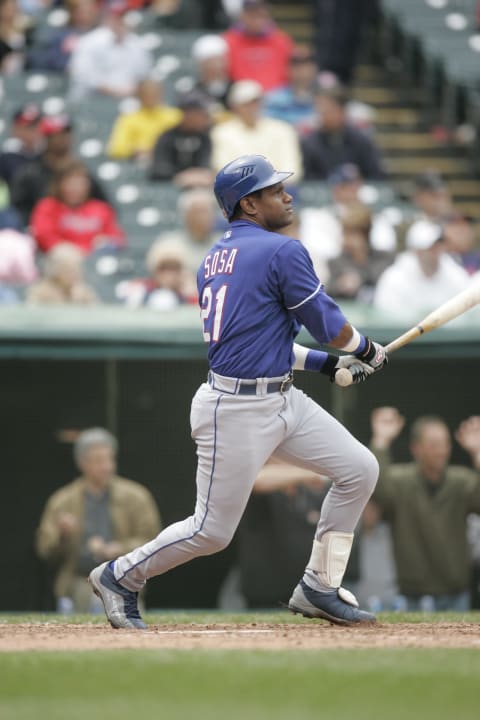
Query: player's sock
pixel 312 579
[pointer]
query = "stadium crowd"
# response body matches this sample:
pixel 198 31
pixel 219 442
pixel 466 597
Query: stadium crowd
pixel 250 89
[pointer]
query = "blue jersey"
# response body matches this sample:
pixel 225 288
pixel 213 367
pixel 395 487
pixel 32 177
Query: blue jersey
pixel 256 288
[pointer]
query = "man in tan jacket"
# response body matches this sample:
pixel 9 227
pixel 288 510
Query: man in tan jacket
pixel 97 517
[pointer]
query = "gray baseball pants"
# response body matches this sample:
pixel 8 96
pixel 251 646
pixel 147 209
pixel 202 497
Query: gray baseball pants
pixel 235 436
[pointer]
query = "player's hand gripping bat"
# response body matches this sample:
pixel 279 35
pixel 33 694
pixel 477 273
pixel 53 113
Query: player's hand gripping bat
pixel 448 311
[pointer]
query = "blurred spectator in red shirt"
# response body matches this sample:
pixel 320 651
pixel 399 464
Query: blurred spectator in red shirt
pixel 62 280
pixel 54 53
pixel 24 142
pixel 258 50
pixel 170 284
pixel 71 214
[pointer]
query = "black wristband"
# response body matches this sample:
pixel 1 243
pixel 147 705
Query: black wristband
pixel 329 366
pixel 368 353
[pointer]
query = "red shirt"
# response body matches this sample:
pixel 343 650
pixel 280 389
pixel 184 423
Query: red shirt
pixel 263 58
pixel 53 222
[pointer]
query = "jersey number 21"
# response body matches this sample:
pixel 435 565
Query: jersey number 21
pixel 211 331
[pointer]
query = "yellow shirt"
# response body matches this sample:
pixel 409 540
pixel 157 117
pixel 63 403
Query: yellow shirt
pixel 138 131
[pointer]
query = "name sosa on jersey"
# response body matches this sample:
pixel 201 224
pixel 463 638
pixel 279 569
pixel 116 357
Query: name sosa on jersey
pixel 220 262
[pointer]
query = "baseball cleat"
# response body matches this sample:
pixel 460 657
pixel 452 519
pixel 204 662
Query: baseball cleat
pixel 120 604
pixel 339 606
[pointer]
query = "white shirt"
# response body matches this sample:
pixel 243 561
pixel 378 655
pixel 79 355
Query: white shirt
pixel 100 59
pixel 275 139
pixel 404 291
pixel 321 233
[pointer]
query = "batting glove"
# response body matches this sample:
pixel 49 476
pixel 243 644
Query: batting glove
pixel 373 355
pixel 360 371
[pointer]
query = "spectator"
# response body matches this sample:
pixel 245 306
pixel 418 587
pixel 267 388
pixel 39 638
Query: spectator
pixel 17 264
pixel 354 273
pixel 96 517
pixel 250 132
pixel 182 154
pixel 321 227
pixel 62 280
pixel 109 60
pixel 275 534
pixel 13 37
pixel 134 134
pixel 460 241
pixel 55 52
pixel 422 278
pixel 70 214
pixel 336 142
pixel 294 102
pixel 197 214
pixel 24 142
pixel 170 282
pixel 427 503
pixel 431 197
pixel 258 50
pixel 33 180
pixel 210 55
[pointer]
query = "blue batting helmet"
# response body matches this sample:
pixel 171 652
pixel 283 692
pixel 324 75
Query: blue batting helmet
pixel 243 176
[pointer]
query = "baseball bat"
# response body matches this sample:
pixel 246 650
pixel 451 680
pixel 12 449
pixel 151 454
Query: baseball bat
pixel 449 310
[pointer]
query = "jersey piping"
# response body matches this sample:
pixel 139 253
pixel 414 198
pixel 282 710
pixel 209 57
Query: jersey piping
pixel 294 307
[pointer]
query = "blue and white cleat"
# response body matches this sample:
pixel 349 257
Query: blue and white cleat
pixel 121 606
pixel 339 606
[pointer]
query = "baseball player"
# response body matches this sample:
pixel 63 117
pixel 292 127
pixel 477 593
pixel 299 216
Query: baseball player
pixel 256 288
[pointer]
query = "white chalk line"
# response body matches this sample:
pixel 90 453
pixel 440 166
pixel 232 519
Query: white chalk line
pixel 211 632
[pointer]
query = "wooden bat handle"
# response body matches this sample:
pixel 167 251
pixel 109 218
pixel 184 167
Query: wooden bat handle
pixel 449 310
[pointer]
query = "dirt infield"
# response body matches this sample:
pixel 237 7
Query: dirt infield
pixel 248 636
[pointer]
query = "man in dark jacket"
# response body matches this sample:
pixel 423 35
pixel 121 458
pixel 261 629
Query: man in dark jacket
pixel 23 143
pixel 32 182
pixel 183 153
pixel 335 142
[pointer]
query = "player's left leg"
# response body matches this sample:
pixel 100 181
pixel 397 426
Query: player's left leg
pixel 318 442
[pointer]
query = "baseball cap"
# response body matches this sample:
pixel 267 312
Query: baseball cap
pixel 27 115
pixel 346 173
pixel 52 124
pixel 422 235
pixel 193 100
pixel 208 46
pixel 429 180
pixel 244 91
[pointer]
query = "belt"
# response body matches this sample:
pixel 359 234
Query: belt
pixel 261 386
